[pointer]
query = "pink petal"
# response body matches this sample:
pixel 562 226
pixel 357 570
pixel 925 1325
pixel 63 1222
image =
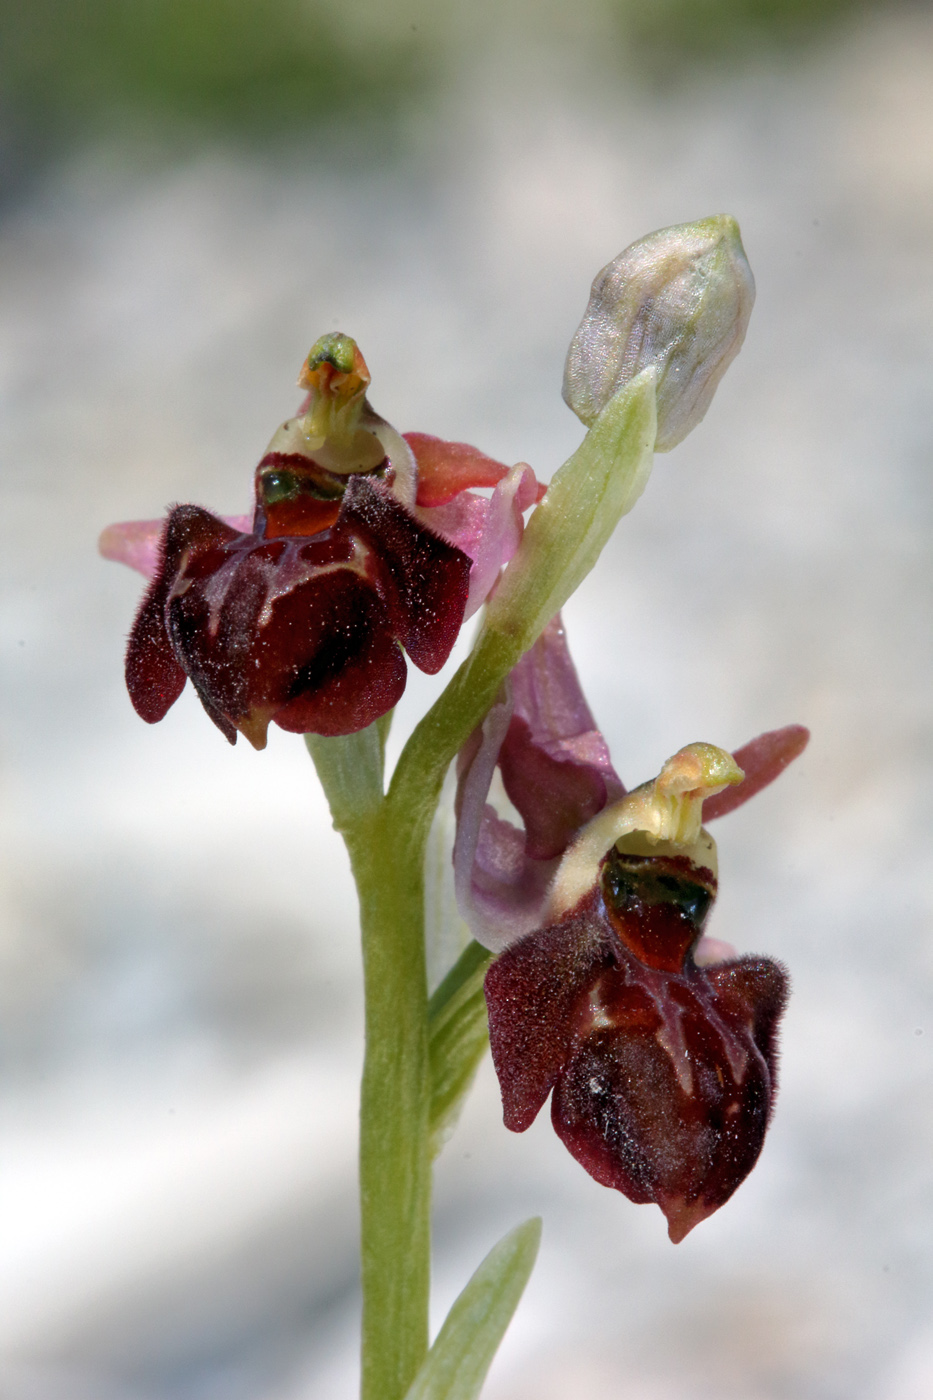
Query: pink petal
pixel 489 531
pixel 460 522
pixel 710 951
pixel 502 532
pixel 554 795
pixel 554 761
pixel 762 760
pixel 133 542
pixel 136 542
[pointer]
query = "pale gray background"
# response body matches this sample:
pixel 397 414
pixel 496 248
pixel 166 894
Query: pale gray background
pixel 179 1003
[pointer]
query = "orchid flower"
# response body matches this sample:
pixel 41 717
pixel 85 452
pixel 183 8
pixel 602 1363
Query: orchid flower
pixel 360 542
pixel 658 1043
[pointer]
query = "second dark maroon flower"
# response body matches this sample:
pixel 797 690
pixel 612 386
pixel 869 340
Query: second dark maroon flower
pixel 662 1071
pixel 656 1042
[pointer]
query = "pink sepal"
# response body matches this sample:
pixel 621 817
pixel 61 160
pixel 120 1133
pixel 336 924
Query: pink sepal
pixel 136 542
pixel 549 697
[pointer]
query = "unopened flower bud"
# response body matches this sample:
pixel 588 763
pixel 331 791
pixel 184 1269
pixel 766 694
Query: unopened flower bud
pixel 679 301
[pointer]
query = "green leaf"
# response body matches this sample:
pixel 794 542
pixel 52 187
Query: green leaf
pixel 585 501
pixel 456 1365
pixel 458 1037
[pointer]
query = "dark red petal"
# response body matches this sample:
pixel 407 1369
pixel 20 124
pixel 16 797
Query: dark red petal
pixel 422 580
pixel 531 991
pixel 192 532
pixel 154 675
pixel 555 797
pixel 315 507
pixel 753 992
pixel 447 468
pixel 657 906
pixel 617 1088
pixel 213 626
pixel 762 760
pixel 154 678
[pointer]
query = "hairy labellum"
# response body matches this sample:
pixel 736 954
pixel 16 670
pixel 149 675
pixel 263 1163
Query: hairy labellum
pixel 662 1071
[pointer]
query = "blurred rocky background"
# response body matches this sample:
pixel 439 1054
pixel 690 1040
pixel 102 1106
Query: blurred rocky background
pixel 189 195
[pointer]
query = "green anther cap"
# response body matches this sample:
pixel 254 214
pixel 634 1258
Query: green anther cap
pixel 337 349
pixel 678 300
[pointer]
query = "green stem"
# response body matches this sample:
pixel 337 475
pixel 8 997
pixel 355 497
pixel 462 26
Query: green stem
pixel 386 840
pixel 395 1167
pixel 395 1164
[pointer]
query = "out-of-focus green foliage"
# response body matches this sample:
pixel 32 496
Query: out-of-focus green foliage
pixel 74 68
pixel 77 67
pixel 722 31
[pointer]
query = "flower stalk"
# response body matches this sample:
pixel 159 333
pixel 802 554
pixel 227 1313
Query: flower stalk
pixel 395 1166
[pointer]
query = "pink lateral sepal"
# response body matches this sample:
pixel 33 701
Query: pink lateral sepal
pixel 445 469
pixel 487 530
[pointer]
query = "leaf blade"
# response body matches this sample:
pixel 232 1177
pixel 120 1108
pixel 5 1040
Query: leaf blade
pixel 458 1038
pixel 456 1365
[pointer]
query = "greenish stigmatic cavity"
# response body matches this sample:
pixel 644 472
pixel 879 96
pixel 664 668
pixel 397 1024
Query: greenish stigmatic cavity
pixel 633 884
pixel 419 1056
pixel 278 486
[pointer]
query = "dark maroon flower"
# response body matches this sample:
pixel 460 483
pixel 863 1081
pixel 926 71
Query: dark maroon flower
pixel 360 543
pixel 663 1072
pixel 300 629
pixel 656 1042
